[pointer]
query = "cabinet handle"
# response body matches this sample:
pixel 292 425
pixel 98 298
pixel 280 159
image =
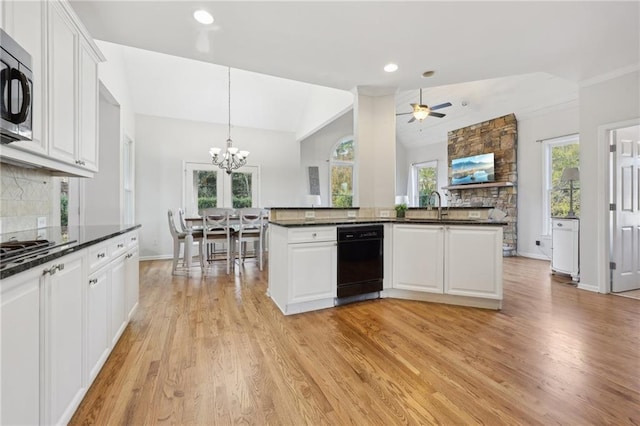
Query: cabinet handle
pixel 93 281
pixel 80 163
pixel 100 255
pixel 53 269
pixel 120 245
pixel 559 225
pixel 134 238
pixel 314 235
pixel 129 256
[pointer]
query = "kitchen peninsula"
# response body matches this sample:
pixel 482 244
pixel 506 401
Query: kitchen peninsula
pixel 456 260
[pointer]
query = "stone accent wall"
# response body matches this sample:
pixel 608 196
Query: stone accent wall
pixel 499 136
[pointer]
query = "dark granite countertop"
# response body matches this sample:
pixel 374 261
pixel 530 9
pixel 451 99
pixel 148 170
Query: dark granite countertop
pixel 365 221
pixel 77 238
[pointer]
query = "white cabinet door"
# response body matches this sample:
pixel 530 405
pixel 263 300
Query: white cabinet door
pixel 132 281
pixel 564 246
pixel 23 21
pixel 418 258
pixel 20 349
pixel 117 293
pixel 98 342
pixel 62 85
pixel 88 109
pixel 64 339
pixel 313 271
pixel 473 261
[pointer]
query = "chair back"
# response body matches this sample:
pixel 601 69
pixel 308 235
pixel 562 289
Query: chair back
pixel 251 221
pixel 215 222
pixel 172 225
pixel 183 221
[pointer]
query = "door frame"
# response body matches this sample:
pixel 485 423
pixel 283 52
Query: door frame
pixel 603 198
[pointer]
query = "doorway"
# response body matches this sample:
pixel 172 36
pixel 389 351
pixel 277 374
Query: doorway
pixel 624 219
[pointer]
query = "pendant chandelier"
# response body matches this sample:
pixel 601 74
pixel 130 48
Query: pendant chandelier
pixel 231 158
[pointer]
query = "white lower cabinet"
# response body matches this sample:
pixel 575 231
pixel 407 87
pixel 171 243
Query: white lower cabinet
pixel 59 323
pixel 64 338
pixel 448 260
pixel 20 348
pixel 313 271
pixel 117 296
pixel 418 258
pixel 302 267
pixel 473 261
pixel 98 341
pixel 132 272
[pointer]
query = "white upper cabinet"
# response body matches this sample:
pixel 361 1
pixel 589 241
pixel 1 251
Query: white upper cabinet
pixel 65 101
pixel 24 22
pixel 62 93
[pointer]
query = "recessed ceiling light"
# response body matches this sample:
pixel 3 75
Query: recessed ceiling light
pixel 428 74
pixel 391 67
pixel 203 17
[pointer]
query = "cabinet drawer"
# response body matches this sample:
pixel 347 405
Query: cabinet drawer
pixel 98 256
pixel 311 234
pixel 566 224
pixel 117 246
pixel 131 239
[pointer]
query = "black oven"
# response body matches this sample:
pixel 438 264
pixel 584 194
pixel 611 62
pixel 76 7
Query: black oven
pixel 360 259
pixel 16 88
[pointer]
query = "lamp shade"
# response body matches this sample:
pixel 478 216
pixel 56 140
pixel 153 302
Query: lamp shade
pixel 570 174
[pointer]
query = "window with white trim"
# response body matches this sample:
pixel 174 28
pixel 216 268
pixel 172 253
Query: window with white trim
pixel 559 154
pixel 424 179
pixel 342 162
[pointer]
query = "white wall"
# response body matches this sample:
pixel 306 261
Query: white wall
pixel 315 151
pixel 113 75
pixel 532 129
pixel 162 145
pixel 601 104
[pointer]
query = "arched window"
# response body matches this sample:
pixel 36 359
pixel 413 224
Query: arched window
pixel 342 172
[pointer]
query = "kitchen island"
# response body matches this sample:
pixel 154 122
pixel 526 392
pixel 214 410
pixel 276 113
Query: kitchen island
pixel 446 261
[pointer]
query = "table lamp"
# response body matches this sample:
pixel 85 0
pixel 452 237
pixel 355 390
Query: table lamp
pixel 570 174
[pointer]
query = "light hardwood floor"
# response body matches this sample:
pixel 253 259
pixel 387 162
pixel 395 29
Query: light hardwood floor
pixel 218 351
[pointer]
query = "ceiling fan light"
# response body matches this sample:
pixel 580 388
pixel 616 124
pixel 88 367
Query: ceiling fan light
pixel 421 114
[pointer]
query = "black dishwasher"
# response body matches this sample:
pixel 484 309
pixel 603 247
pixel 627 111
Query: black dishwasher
pixel 360 259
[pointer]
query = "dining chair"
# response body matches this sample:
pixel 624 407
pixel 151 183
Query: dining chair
pixel 217 229
pixel 250 229
pixel 179 237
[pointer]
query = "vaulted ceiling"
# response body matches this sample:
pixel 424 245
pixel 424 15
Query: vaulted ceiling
pixel 540 47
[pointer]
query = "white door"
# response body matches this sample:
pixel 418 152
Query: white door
pixel 626 218
pixel 206 185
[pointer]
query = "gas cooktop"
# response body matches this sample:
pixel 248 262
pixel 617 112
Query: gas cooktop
pixel 13 252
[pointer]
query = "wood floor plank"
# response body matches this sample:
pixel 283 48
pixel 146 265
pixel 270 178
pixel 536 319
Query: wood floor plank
pixel 214 349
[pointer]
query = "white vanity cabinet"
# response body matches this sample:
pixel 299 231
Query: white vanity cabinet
pixel 21 322
pixel 418 258
pixel 302 267
pixel 64 337
pixel 565 254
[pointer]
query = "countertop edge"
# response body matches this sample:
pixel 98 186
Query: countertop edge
pixel 346 221
pixel 25 266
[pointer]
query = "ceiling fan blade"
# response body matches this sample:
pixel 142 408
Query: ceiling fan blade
pixel 412 120
pixel 404 113
pixel 444 105
pixel 436 114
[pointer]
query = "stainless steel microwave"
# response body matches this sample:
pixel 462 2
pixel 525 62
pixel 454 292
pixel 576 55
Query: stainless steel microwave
pixel 16 86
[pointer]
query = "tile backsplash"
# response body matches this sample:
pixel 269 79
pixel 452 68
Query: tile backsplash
pixel 25 195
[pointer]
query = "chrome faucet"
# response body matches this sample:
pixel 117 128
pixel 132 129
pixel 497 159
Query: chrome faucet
pixel 439 203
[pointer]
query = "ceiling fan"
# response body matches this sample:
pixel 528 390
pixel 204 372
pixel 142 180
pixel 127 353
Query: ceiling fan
pixel 421 111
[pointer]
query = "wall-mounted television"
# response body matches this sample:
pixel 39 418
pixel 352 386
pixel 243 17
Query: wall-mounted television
pixel 474 169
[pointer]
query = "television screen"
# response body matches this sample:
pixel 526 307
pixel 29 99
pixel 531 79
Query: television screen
pixel 475 169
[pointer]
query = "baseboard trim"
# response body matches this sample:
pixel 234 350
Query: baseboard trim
pixel 534 256
pixel 159 257
pixel 588 287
